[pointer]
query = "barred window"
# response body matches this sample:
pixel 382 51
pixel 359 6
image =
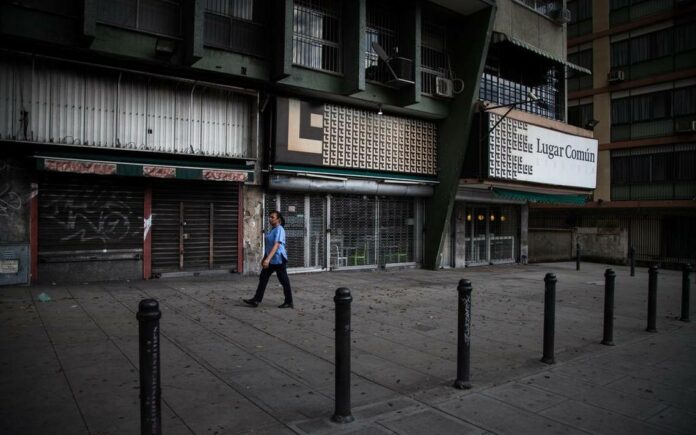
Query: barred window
pixel 317 34
pixel 382 29
pixel 433 56
pixel 235 25
pixel 544 7
pixel 161 17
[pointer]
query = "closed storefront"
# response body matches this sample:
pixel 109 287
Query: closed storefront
pixel 357 231
pixel 90 227
pixel 195 226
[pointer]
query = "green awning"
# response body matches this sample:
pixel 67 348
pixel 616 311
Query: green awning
pixel 501 37
pixel 545 198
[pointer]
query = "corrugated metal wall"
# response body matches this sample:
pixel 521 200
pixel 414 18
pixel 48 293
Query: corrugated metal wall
pixel 45 101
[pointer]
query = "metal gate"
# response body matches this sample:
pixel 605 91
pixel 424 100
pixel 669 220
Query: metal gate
pixel 354 231
pixel 195 226
pixel 89 218
pixel 305 227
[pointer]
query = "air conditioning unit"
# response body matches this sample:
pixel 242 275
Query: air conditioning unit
pixel 562 16
pixel 616 76
pixel 443 87
pixel 685 125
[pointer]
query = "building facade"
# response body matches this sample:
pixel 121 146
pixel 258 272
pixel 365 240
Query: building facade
pixel 146 138
pixel 643 93
pixel 521 151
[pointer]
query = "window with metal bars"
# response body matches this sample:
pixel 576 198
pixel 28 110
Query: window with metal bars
pixel 161 17
pixel 659 173
pixel 434 62
pixel 236 25
pixel 544 7
pixel 316 40
pixel 511 73
pixel 381 28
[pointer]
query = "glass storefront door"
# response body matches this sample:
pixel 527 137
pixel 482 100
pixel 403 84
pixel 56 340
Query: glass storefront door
pixel 491 234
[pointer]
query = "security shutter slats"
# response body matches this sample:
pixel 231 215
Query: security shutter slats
pixel 397 234
pixel 353 230
pixel 196 199
pixel 90 213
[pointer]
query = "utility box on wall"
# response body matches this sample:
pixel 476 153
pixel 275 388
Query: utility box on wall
pixel 14 264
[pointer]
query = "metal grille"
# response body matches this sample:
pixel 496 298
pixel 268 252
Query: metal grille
pixel 305 227
pixel 396 230
pixel 194 226
pixel 433 57
pixel 353 231
pixel 317 34
pixel 236 25
pixel 545 7
pixel 97 214
pixel 503 227
pixel 162 17
pixel 382 29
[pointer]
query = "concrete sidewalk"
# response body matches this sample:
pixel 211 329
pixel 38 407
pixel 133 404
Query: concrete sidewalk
pixel 69 366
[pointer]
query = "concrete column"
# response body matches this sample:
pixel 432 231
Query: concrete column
pixel 253 227
pixel 459 233
pixel 524 233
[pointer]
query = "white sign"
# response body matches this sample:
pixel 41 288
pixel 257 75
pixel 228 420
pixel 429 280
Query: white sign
pixel 523 152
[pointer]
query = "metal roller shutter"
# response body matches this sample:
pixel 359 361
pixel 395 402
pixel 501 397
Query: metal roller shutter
pixel 89 216
pixel 195 226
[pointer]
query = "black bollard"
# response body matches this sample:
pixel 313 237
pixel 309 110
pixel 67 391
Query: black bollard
pixel 549 317
pixel 577 256
pixel 342 412
pixel 652 299
pixel 609 278
pixel 686 290
pixel 150 390
pixel 464 336
pixel 632 260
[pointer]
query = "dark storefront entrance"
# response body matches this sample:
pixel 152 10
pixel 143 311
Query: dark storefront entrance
pixel 195 226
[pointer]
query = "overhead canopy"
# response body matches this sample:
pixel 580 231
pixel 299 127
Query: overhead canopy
pixel 501 37
pixel 544 198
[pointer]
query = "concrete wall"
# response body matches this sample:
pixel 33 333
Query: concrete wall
pixel 550 244
pixel 606 245
pixel 253 229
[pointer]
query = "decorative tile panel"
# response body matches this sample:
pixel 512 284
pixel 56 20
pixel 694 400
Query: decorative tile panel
pixel 361 139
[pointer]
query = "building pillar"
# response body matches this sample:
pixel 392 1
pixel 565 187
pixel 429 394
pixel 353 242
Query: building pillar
pixel 524 233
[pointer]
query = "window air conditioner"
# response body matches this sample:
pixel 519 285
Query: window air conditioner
pixel 562 15
pixel 443 87
pixel 616 76
pixel 685 125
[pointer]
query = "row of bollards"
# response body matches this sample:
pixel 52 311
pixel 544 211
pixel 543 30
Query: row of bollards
pixel 149 316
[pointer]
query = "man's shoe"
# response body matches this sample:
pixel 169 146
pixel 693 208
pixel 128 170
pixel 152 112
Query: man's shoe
pixel 286 305
pixel 251 302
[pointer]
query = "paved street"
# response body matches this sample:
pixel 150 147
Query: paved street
pixel 70 365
